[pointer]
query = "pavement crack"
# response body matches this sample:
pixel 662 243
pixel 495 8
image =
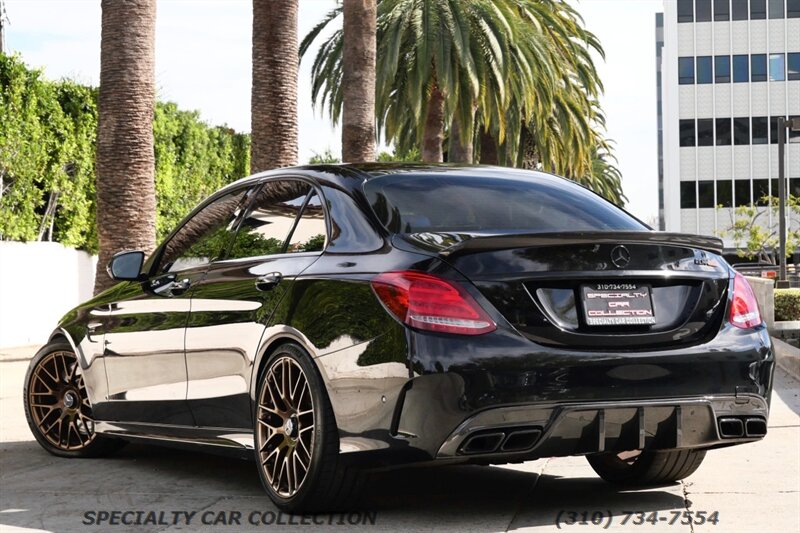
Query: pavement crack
pixel 524 498
pixel 687 502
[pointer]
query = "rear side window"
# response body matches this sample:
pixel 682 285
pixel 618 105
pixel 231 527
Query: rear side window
pixel 541 204
pixel 309 234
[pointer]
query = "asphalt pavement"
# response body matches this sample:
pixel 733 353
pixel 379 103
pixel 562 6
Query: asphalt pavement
pixel 749 488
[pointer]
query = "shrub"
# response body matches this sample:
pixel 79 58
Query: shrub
pixel 787 304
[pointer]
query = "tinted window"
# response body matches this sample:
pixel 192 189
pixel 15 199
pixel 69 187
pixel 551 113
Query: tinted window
pixel 309 234
pixel 777 67
pixel 794 136
pixel 685 70
pixel 705 194
pixel 760 130
pixel 431 202
pixel 758 9
pixel 725 193
pixel 741 69
pixel 741 131
pixel 793 9
pixel 204 237
pixel 773 130
pixel 776 9
pixel 760 191
pixel 688 195
pixel 793 63
pixel 739 9
pixel 704 72
pixel 724 136
pixel 722 69
pixel 758 67
pixel 685 11
pixel 702 11
pixel 687 133
pixel 794 187
pixel 270 219
pixel 705 132
pixel 742 192
pixel 722 10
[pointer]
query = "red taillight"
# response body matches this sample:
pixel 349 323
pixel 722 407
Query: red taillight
pixel 424 301
pixel 744 307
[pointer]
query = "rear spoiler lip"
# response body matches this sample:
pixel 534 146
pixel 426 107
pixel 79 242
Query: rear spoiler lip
pixel 466 243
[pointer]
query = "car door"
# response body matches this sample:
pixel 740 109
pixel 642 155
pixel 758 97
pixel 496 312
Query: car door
pixel 146 324
pixel 282 234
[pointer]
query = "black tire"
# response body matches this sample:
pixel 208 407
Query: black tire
pixel 54 380
pixel 648 468
pixel 330 482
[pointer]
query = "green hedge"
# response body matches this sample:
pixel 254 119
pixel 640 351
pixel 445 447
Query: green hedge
pixel 787 304
pixel 47 153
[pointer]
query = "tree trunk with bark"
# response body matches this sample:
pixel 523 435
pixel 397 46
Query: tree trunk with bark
pixel 126 204
pixel 488 148
pixel 358 81
pixel 461 147
pixel 433 134
pixel 273 103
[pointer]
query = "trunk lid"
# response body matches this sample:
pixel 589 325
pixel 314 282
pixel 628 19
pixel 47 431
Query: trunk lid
pixel 594 290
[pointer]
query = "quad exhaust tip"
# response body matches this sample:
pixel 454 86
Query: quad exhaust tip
pixel 738 427
pixel 501 440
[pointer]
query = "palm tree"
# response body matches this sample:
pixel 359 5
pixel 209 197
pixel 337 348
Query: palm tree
pixel 274 93
pixel 358 81
pixel 126 205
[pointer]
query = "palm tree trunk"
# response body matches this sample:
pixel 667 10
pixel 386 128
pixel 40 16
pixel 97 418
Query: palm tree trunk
pixel 461 147
pixel 273 103
pixel 488 148
pixel 433 134
pixel 358 81
pixel 126 204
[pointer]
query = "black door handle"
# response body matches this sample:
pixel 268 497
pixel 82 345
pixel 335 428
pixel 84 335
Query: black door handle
pixel 267 282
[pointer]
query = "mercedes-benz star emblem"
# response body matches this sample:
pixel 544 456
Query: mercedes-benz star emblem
pixel 620 256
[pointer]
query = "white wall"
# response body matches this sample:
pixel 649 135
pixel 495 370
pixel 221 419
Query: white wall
pixel 39 283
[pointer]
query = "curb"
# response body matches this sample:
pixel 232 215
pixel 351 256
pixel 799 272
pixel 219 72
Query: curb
pixel 787 357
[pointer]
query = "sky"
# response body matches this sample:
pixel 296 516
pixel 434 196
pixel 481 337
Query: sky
pixel 203 63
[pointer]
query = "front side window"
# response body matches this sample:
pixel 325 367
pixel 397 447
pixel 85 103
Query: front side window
pixel 777 67
pixel 204 237
pixel 270 219
pixel 686 70
pixel 722 69
pixel 704 69
pixel 741 69
pixel 758 67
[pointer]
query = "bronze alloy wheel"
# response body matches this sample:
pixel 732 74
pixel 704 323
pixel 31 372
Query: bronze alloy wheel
pixel 285 426
pixel 58 403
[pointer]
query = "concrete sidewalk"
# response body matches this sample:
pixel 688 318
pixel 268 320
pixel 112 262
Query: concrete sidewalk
pixel 19 353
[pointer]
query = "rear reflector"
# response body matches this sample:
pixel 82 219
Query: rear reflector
pixel 744 307
pixel 428 302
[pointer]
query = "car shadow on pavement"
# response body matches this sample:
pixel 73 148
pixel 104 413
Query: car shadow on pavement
pixel 35 484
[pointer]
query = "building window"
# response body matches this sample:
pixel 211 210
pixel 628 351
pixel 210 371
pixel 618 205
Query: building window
pixel 776 9
pixel 741 131
pixel 685 11
pixel 705 194
pixel 723 132
pixel 687 133
pixel 793 9
pixel 722 69
pixel 773 130
pixel 794 187
pixel 725 193
pixel 702 12
pixel 794 136
pixel 704 70
pixel 705 132
pixel 688 195
pixel 758 9
pixel 777 67
pixel 741 69
pixel 793 63
pixel 760 129
pixel 686 70
pixel 760 192
pixel 722 10
pixel 739 10
pixel 742 193
pixel 758 67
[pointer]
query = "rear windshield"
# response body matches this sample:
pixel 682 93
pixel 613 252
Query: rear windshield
pixel 540 204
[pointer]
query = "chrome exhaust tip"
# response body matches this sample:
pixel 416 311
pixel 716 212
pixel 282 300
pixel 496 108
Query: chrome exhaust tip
pixel 755 427
pixel 731 428
pixel 482 443
pixel 521 440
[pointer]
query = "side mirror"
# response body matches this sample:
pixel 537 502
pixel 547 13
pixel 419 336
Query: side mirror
pixel 126 266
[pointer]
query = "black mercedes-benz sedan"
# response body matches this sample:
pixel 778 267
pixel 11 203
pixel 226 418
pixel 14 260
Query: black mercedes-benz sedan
pixel 327 320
